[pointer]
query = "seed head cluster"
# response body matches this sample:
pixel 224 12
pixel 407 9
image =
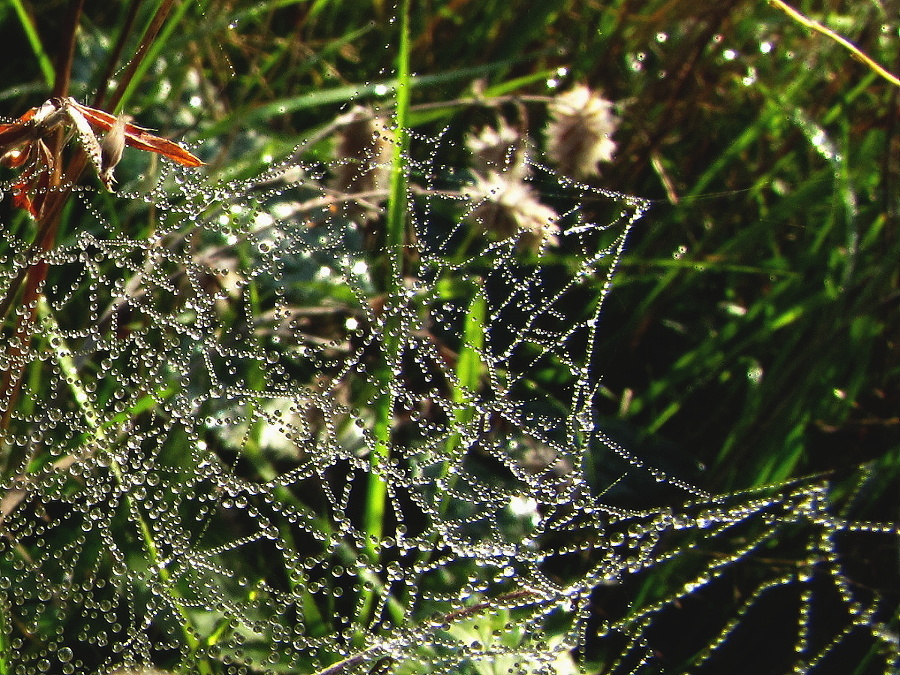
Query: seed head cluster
pixel 579 132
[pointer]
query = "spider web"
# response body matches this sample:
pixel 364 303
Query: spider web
pixel 190 469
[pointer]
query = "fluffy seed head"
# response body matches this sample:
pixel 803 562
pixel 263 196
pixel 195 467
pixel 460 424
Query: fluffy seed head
pixel 506 207
pixel 501 150
pixel 578 133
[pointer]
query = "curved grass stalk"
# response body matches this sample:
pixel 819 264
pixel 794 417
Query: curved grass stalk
pixel 101 439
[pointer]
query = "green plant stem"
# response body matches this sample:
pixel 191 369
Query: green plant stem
pixel 5 650
pixel 469 371
pixel 469 365
pixel 392 325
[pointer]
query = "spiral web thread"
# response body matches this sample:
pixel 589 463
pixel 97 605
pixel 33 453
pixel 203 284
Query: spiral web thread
pixel 188 468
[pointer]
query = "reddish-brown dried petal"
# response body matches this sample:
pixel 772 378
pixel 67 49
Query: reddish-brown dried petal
pixel 15 157
pixel 20 121
pixel 16 133
pixel 21 199
pixel 138 137
pixel 22 145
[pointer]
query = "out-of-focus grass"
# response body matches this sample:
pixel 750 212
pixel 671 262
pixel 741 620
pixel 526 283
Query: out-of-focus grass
pixel 759 308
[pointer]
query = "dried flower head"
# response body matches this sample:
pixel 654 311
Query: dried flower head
pixel 505 207
pixel 24 144
pixel 501 150
pixel 578 133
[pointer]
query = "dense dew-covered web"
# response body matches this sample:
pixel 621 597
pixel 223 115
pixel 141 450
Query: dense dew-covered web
pixel 256 437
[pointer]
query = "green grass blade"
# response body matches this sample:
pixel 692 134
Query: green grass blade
pixel 44 61
pixel 392 337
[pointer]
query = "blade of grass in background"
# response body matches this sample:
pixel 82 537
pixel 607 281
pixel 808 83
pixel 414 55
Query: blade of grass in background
pixel 34 40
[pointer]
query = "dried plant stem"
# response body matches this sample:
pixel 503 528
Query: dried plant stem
pixel 66 54
pixel 116 52
pixel 824 30
pixel 148 40
pixel 33 277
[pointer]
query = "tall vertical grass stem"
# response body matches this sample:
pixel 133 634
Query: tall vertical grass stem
pixel 392 332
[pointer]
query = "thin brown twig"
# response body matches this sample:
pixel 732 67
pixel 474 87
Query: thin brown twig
pixel 35 273
pixel 116 53
pixel 147 40
pixel 66 54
